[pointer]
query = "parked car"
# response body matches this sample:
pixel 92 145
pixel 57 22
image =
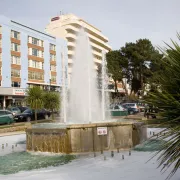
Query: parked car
pixel 6 117
pixel 133 106
pixel 29 115
pixel 22 108
pixel 14 110
pixel 141 107
pixel 118 108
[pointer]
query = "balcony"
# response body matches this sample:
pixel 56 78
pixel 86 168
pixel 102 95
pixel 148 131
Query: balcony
pixel 70 35
pixel 84 24
pixel 97 61
pixel 99 41
pixel 70 61
pixel 71 27
pixel 97 53
pixel 69 70
pixel 101 47
pixel 70 52
pixel 96 46
pixel 72 44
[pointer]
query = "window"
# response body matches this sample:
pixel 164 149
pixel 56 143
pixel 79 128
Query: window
pixel 96 49
pixel 53 78
pixel 15 73
pixel 2 113
pixel 35 41
pixel 53 68
pixel 70 48
pixel 36 75
pixel 15 60
pixel 35 64
pixel 15 109
pixel 15 47
pixel 35 52
pixel 52 47
pixel 15 34
pixel 97 57
pixel 52 57
pixel 7 112
pixel 71 40
pixel 15 84
pixel 28 111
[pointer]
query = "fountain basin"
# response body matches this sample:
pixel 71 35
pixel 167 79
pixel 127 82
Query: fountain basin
pixel 79 138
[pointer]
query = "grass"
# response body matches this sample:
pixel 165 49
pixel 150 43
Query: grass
pixel 149 145
pixel 24 161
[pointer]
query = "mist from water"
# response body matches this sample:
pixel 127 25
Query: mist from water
pixel 84 103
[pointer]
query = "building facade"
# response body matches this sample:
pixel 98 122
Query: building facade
pixel 28 57
pixel 67 26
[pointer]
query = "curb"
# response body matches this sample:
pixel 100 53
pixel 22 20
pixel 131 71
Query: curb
pixel 12 133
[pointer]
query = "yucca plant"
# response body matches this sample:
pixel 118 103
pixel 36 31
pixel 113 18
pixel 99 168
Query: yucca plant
pixel 167 98
pixel 35 99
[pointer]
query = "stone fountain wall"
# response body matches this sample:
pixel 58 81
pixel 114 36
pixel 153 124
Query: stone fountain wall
pixel 84 138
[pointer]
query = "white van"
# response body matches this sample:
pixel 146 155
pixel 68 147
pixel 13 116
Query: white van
pixel 132 105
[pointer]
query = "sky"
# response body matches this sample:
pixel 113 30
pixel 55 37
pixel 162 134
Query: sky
pixel 120 20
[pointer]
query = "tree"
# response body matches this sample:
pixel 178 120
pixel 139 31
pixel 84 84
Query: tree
pixel 141 57
pixel 167 98
pixel 35 99
pixel 117 65
pixel 52 101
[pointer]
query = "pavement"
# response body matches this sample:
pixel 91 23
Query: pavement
pixel 12 133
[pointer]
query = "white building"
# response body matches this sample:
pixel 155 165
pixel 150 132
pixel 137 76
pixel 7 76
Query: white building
pixel 67 26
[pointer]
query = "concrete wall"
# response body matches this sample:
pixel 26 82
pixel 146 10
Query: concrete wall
pixel 6 52
pixel 84 138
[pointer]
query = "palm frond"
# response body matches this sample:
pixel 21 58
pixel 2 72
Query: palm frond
pixel 35 98
pixel 168 100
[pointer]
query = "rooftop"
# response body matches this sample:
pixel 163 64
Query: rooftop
pixel 32 29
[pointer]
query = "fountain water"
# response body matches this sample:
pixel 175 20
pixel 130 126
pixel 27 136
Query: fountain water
pixel 84 104
pixel 104 89
pixel 64 88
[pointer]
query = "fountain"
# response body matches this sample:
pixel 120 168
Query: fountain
pixel 84 106
pixel 87 126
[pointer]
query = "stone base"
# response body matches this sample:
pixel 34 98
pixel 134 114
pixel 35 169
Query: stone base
pixel 79 138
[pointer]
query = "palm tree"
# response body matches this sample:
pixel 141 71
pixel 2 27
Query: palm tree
pixel 167 98
pixel 52 102
pixel 35 99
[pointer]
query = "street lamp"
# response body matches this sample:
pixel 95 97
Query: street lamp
pixel 50 81
pixel 49 84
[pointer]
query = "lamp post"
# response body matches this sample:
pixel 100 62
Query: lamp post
pixel 50 81
pixel 49 84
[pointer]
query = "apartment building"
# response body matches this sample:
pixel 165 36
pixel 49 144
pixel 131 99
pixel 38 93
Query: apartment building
pixel 67 26
pixel 28 57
